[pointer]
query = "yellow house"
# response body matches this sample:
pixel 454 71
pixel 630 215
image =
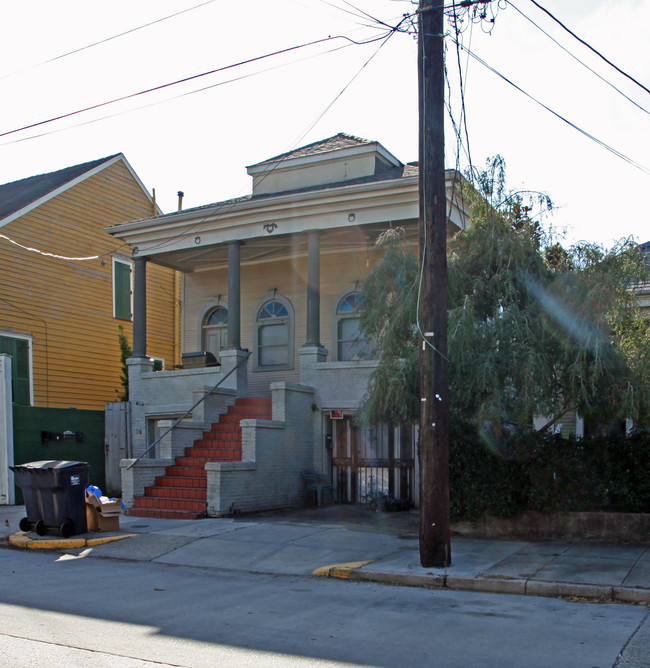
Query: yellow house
pixel 67 284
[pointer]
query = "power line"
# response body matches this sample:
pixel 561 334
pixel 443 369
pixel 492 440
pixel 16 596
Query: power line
pixel 591 48
pixel 556 114
pixel 602 78
pixel 462 85
pixel 227 206
pixel 107 39
pixel 186 79
pixel 173 97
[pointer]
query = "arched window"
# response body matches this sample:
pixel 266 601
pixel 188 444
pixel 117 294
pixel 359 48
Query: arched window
pixel 349 344
pixel 274 335
pixel 214 330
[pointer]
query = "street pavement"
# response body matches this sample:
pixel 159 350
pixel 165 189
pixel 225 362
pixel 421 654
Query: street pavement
pixel 352 542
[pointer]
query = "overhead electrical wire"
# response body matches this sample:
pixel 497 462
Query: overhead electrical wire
pixel 462 84
pixel 602 78
pixel 186 79
pixel 383 38
pixel 107 39
pixel 173 97
pixel 331 104
pixel 601 143
pixel 230 204
pixel 591 48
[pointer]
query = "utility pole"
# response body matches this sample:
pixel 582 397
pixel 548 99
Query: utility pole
pixel 435 544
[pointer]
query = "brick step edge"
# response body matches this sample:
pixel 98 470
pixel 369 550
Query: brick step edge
pixel 171 481
pixel 163 503
pixel 178 493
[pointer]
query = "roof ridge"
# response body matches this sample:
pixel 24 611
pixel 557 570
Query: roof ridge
pixel 309 148
pixel 90 164
pixel 15 196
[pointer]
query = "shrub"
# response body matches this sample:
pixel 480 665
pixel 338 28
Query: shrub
pixel 542 472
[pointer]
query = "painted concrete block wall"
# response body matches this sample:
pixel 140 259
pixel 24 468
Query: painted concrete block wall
pixel 143 474
pixel 163 394
pixel 273 451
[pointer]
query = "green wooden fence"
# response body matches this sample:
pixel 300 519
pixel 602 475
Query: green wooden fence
pixel 60 434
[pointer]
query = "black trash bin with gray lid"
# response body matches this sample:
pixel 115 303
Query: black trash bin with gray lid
pixel 55 496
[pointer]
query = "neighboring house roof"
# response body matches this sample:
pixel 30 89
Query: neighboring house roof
pixel 19 197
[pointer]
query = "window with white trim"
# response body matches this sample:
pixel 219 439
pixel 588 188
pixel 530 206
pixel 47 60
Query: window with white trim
pixel 274 338
pixel 350 345
pixel 214 330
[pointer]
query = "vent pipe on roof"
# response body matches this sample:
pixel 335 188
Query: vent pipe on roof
pixel 180 200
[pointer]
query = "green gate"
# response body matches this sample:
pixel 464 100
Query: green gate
pixel 59 434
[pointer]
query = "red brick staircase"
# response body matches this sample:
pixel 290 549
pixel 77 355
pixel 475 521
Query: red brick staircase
pixel 181 492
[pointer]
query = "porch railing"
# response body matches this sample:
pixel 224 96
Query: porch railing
pixel 187 412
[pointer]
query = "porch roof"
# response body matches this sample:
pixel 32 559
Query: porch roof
pixel 272 226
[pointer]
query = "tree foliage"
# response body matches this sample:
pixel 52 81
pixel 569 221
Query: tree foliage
pixel 390 300
pixel 534 329
pixel 125 352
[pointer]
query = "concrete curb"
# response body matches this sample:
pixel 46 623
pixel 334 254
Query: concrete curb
pixel 522 587
pixel 23 540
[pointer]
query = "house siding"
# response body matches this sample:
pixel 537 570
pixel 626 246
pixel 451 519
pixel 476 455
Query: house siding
pixel 66 306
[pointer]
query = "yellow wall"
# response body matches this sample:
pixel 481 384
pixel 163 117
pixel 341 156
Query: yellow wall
pixel 67 306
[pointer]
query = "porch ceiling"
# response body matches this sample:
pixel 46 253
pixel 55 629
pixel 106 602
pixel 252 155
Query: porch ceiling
pixel 276 247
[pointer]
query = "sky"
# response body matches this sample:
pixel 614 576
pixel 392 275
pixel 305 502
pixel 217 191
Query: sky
pixel 199 136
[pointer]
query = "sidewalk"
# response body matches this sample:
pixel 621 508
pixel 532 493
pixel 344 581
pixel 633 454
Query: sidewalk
pixel 354 543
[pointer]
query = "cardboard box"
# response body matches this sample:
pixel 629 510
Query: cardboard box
pixel 102 516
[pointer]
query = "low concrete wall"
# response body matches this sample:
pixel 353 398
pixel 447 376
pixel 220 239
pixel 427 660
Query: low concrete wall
pixel 143 474
pixel 623 527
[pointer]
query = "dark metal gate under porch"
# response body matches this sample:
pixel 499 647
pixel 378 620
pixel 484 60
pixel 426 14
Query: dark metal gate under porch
pixel 369 465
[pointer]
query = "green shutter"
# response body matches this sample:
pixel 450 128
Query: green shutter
pixel 18 350
pixel 122 290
